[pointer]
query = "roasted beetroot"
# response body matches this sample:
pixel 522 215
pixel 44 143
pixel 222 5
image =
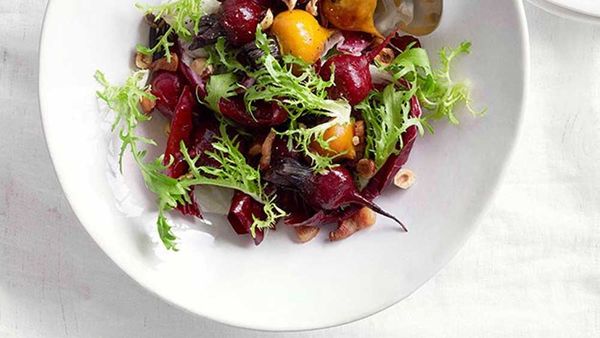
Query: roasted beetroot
pixel 354 42
pixel 352 77
pixel 402 42
pixel 181 129
pixel 266 114
pixel 330 191
pixel 167 87
pixel 239 19
pixel 241 215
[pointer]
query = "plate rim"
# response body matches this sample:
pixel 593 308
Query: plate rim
pixel 525 57
pixel 567 12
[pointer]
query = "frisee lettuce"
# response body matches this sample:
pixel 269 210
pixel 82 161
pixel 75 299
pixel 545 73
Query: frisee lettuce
pixel 437 92
pixel 124 101
pixel 387 117
pixel 183 17
pixel 233 171
pixel 387 113
pixel 290 82
pixel 297 87
pixel 219 87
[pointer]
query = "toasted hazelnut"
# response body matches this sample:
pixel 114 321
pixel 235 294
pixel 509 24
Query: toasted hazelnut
pixel 359 134
pixel 386 57
pixel 291 4
pixel 255 150
pixel 366 168
pixel 164 64
pixel 167 129
pixel 267 21
pixel 405 179
pixel 306 233
pixel 143 61
pixel 267 147
pixel 200 66
pixel 312 7
pixel 363 219
pixel 147 104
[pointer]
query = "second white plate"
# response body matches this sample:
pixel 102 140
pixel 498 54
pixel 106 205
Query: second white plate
pixel 582 10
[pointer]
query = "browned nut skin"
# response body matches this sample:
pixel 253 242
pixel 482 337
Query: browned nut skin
pixel 364 219
pixel 306 233
pixel 164 64
pixel 366 168
pixel 147 105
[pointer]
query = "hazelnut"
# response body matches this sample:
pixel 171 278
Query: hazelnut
pixel 291 4
pixel 147 104
pixel 405 179
pixel 312 7
pixel 164 64
pixel 255 150
pixel 366 168
pixel 267 148
pixel 386 57
pixel 306 233
pixel 363 219
pixel 143 61
pixel 267 21
pixel 200 66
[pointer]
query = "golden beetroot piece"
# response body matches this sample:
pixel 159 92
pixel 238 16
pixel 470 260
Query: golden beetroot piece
pixel 300 34
pixel 351 15
pixel 340 142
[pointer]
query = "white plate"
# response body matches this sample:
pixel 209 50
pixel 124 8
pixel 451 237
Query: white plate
pixel 583 10
pixel 281 285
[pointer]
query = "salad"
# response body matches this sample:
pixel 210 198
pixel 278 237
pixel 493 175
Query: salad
pixel 302 107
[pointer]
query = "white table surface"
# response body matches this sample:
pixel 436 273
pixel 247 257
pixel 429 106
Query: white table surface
pixel 532 269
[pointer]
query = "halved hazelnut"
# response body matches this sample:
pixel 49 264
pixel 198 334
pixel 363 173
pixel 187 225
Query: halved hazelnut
pixel 363 219
pixel 386 57
pixel 147 105
pixel 366 168
pixel 313 7
pixel 267 21
pixel 164 64
pixel 143 61
pixel 306 233
pixel 405 179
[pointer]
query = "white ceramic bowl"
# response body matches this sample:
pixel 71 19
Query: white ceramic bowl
pixel 282 285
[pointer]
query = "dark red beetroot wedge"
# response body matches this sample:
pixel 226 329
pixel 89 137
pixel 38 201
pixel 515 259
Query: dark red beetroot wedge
pixel 327 192
pixel 239 19
pixel 352 75
pixel 181 131
pixel 266 114
pixel 241 215
pixel 167 88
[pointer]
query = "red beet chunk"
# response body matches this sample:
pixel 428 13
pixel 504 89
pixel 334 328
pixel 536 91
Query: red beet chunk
pixel 352 77
pixel 402 42
pixel 239 19
pixel 167 88
pixel 330 191
pixel 354 42
pixel 181 129
pixel 266 114
pixel 242 212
